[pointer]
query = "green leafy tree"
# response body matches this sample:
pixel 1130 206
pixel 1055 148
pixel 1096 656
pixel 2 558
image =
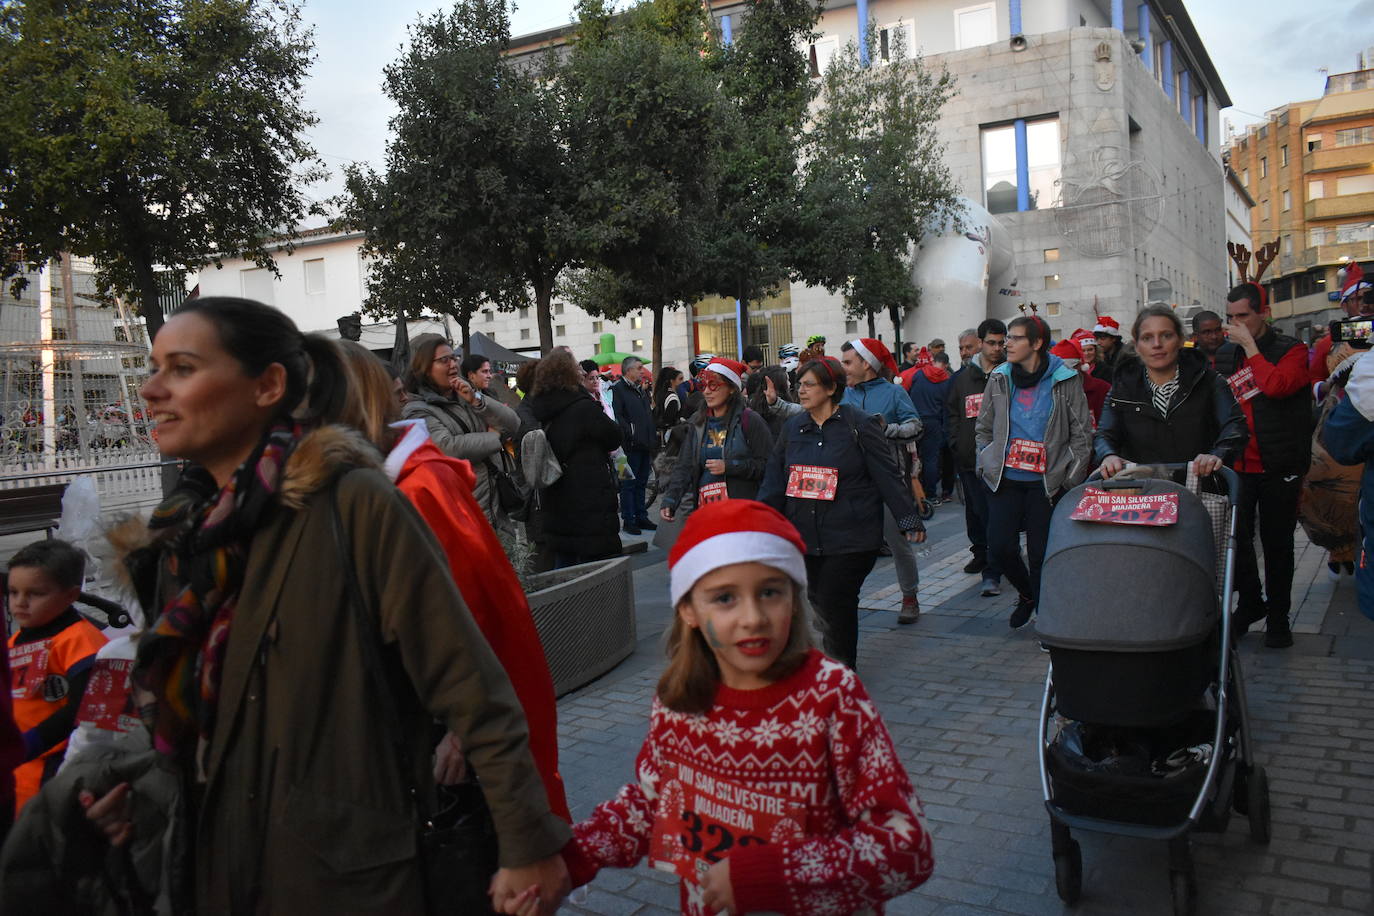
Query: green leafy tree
pixel 765 77
pixel 874 178
pixel 644 104
pixel 151 134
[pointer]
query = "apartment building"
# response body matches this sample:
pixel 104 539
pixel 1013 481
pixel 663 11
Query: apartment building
pixel 1310 169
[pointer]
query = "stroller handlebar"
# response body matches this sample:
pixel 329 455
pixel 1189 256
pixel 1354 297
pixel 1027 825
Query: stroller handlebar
pixel 1231 478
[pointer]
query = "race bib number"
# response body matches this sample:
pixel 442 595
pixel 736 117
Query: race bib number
pixel 29 678
pixel 1026 455
pixel 972 404
pixel 1122 509
pixel 712 493
pixel 1243 384
pixel 701 819
pixel 807 481
pixel 108 703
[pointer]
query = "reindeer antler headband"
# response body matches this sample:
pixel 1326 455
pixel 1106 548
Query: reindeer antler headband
pixel 1263 258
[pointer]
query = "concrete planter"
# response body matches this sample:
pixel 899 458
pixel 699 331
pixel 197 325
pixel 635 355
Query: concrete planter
pixel 585 615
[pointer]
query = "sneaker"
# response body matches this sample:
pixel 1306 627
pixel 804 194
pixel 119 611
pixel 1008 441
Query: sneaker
pixel 1044 648
pixel 646 524
pixel 935 502
pixel 1278 637
pixel 976 565
pixel 992 588
pixel 1025 608
pixel 632 528
pixel 911 610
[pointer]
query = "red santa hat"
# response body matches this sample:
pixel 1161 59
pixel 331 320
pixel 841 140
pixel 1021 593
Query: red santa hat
pixel 728 369
pixel 1106 324
pixel 1354 282
pixel 734 531
pixel 1068 349
pixel 1083 337
pixel 876 354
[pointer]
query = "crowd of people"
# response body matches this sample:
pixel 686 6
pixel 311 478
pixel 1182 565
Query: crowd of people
pixel 338 666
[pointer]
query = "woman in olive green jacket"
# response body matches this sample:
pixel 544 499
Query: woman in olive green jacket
pixel 255 657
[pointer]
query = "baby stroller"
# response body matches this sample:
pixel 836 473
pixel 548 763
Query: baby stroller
pixel 1143 726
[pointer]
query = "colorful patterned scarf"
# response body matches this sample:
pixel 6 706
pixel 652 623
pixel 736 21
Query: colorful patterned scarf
pixel 205 535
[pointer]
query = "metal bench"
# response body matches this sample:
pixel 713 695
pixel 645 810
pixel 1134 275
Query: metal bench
pixel 31 508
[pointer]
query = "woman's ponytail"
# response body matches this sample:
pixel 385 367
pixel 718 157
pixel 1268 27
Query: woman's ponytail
pixel 326 393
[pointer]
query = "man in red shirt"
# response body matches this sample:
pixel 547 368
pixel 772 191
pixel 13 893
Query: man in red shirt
pixel 1270 380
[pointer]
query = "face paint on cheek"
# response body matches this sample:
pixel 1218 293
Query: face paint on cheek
pixel 711 638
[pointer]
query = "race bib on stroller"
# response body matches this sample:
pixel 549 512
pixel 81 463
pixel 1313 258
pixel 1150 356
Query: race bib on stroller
pixel 972 404
pixel 809 481
pixel 108 703
pixel 699 824
pixel 1243 384
pixel 1026 455
pixel 712 493
pixel 1096 505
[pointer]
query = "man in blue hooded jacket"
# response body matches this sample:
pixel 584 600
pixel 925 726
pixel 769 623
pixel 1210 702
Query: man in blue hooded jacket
pixel 869 369
pixel 1349 437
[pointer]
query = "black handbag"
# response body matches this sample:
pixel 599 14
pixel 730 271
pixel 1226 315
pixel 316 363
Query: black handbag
pixel 508 494
pixel 456 837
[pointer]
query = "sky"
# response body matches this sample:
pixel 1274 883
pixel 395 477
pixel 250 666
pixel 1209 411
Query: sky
pixel 1267 56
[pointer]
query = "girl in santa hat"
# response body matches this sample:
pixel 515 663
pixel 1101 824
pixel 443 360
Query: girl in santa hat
pixel 767 782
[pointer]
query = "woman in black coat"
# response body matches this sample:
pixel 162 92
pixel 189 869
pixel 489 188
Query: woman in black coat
pixel 1166 406
pixel 581 510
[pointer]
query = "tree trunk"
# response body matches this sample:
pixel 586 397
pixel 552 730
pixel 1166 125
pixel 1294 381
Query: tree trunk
pixel 543 296
pixel 658 338
pixel 148 305
pixel 872 325
pixel 742 316
pixel 83 433
pixel 892 313
pixel 465 331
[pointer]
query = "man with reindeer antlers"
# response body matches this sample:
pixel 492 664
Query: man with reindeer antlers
pixel 1270 380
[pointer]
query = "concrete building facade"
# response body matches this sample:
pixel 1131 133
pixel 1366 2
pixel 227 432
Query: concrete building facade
pixel 1310 169
pixel 1088 127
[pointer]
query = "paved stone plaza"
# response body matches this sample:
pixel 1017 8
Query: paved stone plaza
pixel 961 695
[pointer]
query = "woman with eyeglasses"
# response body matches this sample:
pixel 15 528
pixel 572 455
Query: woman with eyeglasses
pixel 461 422
pixel 726 447
pixel 1034 438
pixel 831 473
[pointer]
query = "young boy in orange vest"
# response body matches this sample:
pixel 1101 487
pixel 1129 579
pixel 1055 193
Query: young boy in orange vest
pixel 50 656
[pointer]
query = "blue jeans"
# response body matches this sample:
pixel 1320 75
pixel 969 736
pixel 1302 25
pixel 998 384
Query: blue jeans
pixel 632 508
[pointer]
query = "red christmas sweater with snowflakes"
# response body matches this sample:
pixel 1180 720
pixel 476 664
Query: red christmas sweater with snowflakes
pixel 797 784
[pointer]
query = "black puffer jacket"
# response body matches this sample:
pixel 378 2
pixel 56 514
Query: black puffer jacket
pixel 852 443
pixel 969 382
pixel 1202 418
pixel 581 510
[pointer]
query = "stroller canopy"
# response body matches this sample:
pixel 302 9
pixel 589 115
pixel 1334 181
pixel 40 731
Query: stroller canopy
pixel 1148 589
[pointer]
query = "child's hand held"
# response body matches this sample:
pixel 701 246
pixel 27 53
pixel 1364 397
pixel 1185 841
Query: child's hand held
pixel 716 891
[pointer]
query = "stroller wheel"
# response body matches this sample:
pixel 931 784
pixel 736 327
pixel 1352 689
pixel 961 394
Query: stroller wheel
pixel 1184 888
pixel 1257 805
pixel 1068 873
pixel 924 510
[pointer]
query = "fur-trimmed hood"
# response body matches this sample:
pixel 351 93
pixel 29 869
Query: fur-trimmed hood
pixel 317 458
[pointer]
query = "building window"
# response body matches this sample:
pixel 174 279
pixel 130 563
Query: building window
pixel 1003 166
pixel 558 308
pixel 889 38
pixel 637 345
pixel 1264 209
pixel 559 330
pixel 1353 136
pixel 314 276
pixel 1316 236
pixel 1355 184
pixel 975 26
pixel 1245 178
pixel 1052 309
pixel 1314 142
pixel 596 327
pixel 1315 189
pixel 1264 166
pixel 524 333
pixel 851 327
pixel 1051 254
pixel 1052 282
pixel 1288 245
pixel 637 322
pixel 1287 201
pixel 525 313
pixel 257 284
pixel 1283 155
pixel 488 315
pixel 822 52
